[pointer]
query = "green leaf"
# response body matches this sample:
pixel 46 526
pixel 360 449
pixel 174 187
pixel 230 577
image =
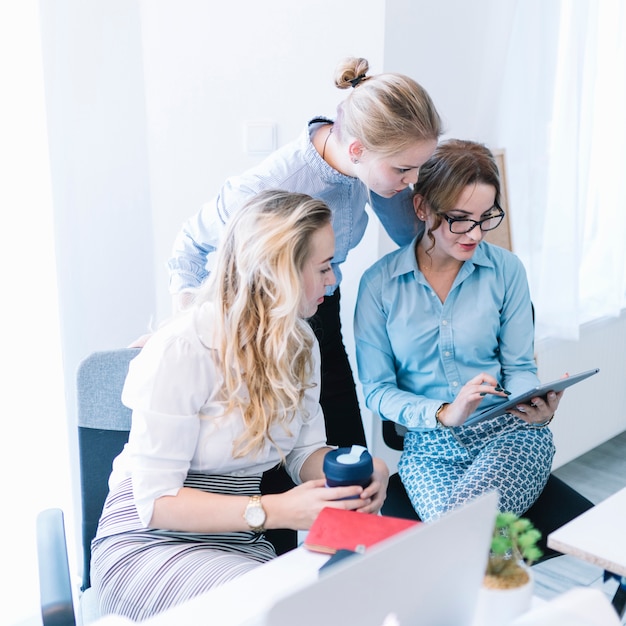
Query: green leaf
pixel 500 544
pixel 529 538
pixel 504 520
pixel 532 554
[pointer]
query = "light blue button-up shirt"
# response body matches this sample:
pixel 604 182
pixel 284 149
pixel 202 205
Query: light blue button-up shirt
pixel 296 167
pixel 415 352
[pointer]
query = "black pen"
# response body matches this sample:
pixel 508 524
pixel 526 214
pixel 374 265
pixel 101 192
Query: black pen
pixel 498 388
pixel 503 390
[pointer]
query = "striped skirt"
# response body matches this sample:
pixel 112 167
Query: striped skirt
pixel 138 572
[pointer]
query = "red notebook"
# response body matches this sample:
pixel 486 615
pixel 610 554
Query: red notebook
pixel 337 529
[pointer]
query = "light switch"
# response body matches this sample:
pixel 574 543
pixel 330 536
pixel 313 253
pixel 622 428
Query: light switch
pixel 260 137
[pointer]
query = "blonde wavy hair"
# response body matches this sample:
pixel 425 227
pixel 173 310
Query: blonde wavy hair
pixel 386 112
pixel 264 345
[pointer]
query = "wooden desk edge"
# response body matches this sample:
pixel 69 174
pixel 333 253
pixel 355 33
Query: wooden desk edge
pixel 605 564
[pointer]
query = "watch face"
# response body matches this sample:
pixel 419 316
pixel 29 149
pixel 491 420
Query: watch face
pixel 255 514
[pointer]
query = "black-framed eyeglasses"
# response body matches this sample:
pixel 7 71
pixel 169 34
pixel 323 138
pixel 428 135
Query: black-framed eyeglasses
pixel 462 225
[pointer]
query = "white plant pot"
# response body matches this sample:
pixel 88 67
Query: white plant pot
pixel 499 607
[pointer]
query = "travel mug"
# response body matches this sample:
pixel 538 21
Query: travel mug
pixel 348 466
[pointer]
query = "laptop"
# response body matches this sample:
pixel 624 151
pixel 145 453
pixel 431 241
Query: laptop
pixel 429 574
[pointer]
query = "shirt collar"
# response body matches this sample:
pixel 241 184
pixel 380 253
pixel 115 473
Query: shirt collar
pixel 314 159
pixel 405 261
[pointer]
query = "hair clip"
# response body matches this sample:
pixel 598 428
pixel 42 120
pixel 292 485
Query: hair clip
pixel 355 81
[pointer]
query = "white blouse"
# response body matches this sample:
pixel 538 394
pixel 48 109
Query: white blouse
pixel 178 425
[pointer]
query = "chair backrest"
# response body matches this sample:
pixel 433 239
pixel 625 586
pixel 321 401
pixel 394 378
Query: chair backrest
pixel 103 427
pixel 393 434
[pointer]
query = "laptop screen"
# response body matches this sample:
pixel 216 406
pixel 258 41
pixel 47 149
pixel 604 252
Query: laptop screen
pixel 429 574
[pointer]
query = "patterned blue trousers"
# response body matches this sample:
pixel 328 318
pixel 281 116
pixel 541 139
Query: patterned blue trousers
pixel 443 468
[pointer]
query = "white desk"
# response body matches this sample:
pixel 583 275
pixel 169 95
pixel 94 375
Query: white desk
pixel 242 600
pixel 598 536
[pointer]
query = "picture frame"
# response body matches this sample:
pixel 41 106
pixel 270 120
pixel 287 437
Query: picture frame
pixel 501 236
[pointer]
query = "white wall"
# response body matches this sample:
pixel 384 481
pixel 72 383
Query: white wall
pixel 93 78
pixel 592 412
pixel 99 160
pixel 456 50
pixel 33 449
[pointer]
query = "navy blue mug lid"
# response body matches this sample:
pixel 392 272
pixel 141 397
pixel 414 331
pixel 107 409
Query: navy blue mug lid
pixel 348 465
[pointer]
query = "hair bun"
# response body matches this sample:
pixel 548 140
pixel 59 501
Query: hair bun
pixel 350 72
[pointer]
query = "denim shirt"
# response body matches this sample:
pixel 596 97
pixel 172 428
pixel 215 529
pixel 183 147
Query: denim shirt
pixel 415 352
pixel 296 167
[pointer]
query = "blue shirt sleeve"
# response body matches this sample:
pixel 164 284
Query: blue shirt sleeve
pixel 376 360
pixel 199 237
pixel 397 216
pixel 296 167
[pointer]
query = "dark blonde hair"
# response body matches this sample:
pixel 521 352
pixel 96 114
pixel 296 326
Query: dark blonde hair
pixel 386 112
pixel 264 345
pixel 454 165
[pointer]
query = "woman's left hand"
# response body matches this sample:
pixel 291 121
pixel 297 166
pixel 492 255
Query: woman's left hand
pixel 539 410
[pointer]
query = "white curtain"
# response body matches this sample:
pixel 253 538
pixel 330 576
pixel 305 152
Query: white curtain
pixel 33 450
pixel 564 126
pixel 585 222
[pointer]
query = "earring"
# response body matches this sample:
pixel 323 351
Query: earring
pixel 355 160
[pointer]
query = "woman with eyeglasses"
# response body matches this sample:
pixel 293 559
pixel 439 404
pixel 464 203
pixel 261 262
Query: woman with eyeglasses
pixel 444 330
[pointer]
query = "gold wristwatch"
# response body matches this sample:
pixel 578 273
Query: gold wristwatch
pixel 440 424
pixel 255 514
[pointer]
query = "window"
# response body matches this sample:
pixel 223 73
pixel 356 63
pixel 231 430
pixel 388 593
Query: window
pixel 569 69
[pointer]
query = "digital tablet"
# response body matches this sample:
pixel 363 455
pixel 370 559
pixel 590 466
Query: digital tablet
pixel 539 391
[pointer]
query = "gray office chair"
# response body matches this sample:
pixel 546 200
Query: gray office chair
pixel 103 427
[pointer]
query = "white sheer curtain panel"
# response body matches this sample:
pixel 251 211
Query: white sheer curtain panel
pixel 562 123
pixel 583 262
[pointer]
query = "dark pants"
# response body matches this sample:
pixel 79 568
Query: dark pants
pixel 339 403
pixel 338 393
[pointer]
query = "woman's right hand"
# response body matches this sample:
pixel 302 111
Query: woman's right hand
pixel 468 399
pixel 298 507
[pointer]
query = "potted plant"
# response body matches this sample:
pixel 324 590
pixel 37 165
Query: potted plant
pixel 507 586
pixel 513 550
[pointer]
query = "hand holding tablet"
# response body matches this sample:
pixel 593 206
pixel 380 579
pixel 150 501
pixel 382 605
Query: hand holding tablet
pixel 538 391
